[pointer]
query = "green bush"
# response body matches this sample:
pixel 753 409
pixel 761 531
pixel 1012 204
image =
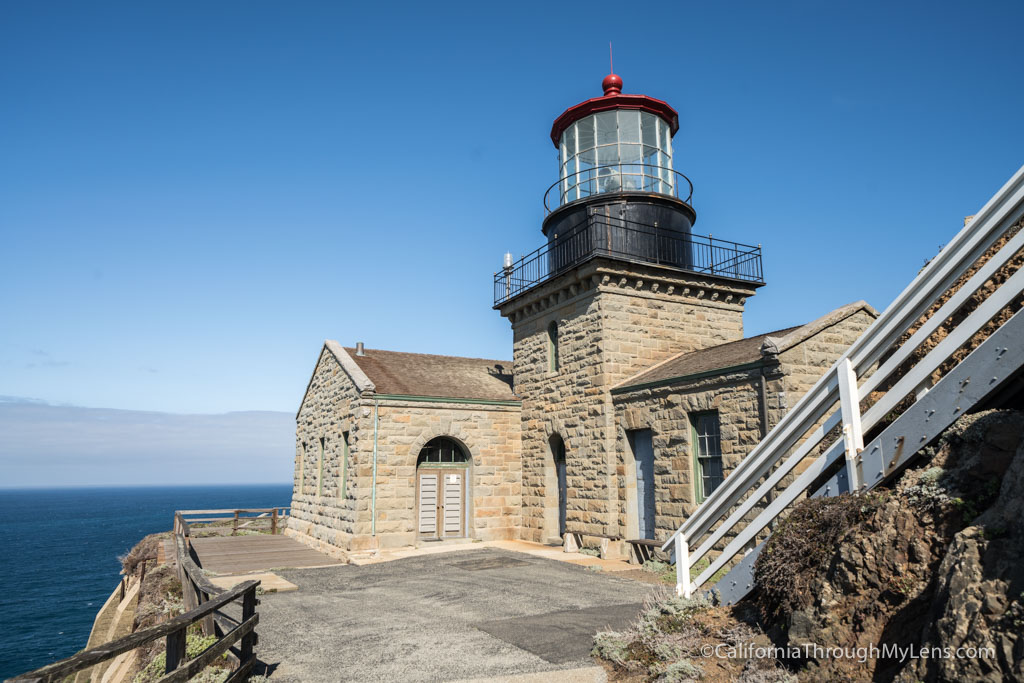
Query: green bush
pixel 195 645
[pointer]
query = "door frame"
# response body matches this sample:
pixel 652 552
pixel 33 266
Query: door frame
pixel 649 488
pixel 440 469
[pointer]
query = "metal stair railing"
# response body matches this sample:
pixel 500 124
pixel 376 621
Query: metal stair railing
pixel 835 400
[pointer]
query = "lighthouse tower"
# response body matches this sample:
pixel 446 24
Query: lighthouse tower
pixel 620 284
pixel 615 168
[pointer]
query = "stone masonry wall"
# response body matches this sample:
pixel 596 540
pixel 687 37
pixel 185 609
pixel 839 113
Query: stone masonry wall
pixel 491 436
pixel 667 412
pixel 613 321
pixel 324 516
pixel 339 522
pixel 806 362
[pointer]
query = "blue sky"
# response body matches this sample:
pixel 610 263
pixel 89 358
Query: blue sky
pixel 194 195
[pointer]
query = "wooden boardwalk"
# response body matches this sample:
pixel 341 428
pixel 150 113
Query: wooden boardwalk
pixel 256 553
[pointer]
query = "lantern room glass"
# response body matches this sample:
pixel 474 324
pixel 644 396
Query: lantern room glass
pixel 614 151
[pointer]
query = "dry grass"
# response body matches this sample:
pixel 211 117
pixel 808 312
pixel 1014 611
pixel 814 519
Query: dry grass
pixel 801 546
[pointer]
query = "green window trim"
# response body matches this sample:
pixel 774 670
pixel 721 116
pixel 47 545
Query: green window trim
pixel 698 480
pixel 553 361
pixel 701 458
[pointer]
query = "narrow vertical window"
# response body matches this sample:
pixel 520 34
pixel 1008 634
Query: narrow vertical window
pixel 320 472
pixel 707 452
pixel 302 469
pixel 553 346
pixel 344 465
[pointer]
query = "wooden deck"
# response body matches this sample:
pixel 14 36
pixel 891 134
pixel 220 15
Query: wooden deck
pixel 255 553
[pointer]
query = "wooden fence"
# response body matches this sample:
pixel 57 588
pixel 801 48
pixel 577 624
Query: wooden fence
pixel 205 604
pixel 254 519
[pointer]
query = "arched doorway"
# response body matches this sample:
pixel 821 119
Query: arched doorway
pixel 441 474
pixel 558 454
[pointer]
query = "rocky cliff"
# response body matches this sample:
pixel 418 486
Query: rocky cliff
pixel 933 566
pixel 923 580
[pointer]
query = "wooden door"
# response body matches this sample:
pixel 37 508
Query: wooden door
pixel 428 502
pixel 453 503
pixel 643 452
pixel 441 503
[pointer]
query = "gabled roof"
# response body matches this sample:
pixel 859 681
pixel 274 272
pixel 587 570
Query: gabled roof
pixel 741 352
pixel 421 374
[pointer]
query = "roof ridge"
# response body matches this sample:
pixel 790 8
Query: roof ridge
pixel 433 355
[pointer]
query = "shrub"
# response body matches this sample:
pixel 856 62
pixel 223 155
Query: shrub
pixel 802 545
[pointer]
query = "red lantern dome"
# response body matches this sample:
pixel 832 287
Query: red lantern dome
pixel 611 100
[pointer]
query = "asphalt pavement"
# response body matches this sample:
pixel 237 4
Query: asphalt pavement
pixel 472 614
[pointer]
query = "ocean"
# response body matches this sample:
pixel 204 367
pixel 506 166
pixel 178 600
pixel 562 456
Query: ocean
pixel 59 550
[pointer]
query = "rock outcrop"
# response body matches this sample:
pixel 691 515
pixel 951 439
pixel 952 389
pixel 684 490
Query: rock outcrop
pixel 930 574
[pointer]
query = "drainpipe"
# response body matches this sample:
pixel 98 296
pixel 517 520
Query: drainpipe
pixel 763 401
pixel 373 489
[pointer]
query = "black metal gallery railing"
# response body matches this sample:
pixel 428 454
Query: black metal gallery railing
pixel 611 178
pixel 618 238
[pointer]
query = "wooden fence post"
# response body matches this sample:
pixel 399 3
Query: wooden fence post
pixel 234 527
pixel 248 640
pixel 209 626
pixel 175 650
pixel 273 522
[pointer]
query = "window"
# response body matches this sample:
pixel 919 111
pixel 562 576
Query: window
pixel 632 150
pixel 344 464
pixel 302 468
pixel 320 470
pixel 442 450
pixel 553 346
pixel 707 452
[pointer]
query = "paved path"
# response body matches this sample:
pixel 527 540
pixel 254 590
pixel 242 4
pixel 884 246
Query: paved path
pixel 254 553
pixel 476 614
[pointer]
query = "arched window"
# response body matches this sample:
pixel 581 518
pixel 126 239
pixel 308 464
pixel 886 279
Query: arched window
pixel 553 346
pixel 442 450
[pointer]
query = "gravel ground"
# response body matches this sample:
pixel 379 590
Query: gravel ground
pixel 470 614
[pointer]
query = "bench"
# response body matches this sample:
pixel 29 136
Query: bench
pixel 611 547
pixel 643 549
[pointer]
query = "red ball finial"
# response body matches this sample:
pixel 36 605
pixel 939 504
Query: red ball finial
pixel 612 85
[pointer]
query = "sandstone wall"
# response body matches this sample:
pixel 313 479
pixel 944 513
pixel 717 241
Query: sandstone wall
pixel 491 436
pixel 806 362
pixel 339 521
pixel 667 411
pixel 323 515
pixel 613 321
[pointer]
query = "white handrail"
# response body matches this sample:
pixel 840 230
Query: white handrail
pixel 766 465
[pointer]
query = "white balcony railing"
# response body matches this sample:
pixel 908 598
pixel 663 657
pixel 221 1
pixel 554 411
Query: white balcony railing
pixel 740 512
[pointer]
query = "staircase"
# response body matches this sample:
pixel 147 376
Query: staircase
pixel 951 341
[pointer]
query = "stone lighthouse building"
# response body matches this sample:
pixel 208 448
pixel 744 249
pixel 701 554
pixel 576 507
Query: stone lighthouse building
pixel 621 284
pixel 632 390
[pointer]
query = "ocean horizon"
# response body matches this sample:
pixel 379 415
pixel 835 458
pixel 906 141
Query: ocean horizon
pixel 61 555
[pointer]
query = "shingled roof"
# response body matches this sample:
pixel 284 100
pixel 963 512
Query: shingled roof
pixel 421 374
pixel 741 352
pixel 719 357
